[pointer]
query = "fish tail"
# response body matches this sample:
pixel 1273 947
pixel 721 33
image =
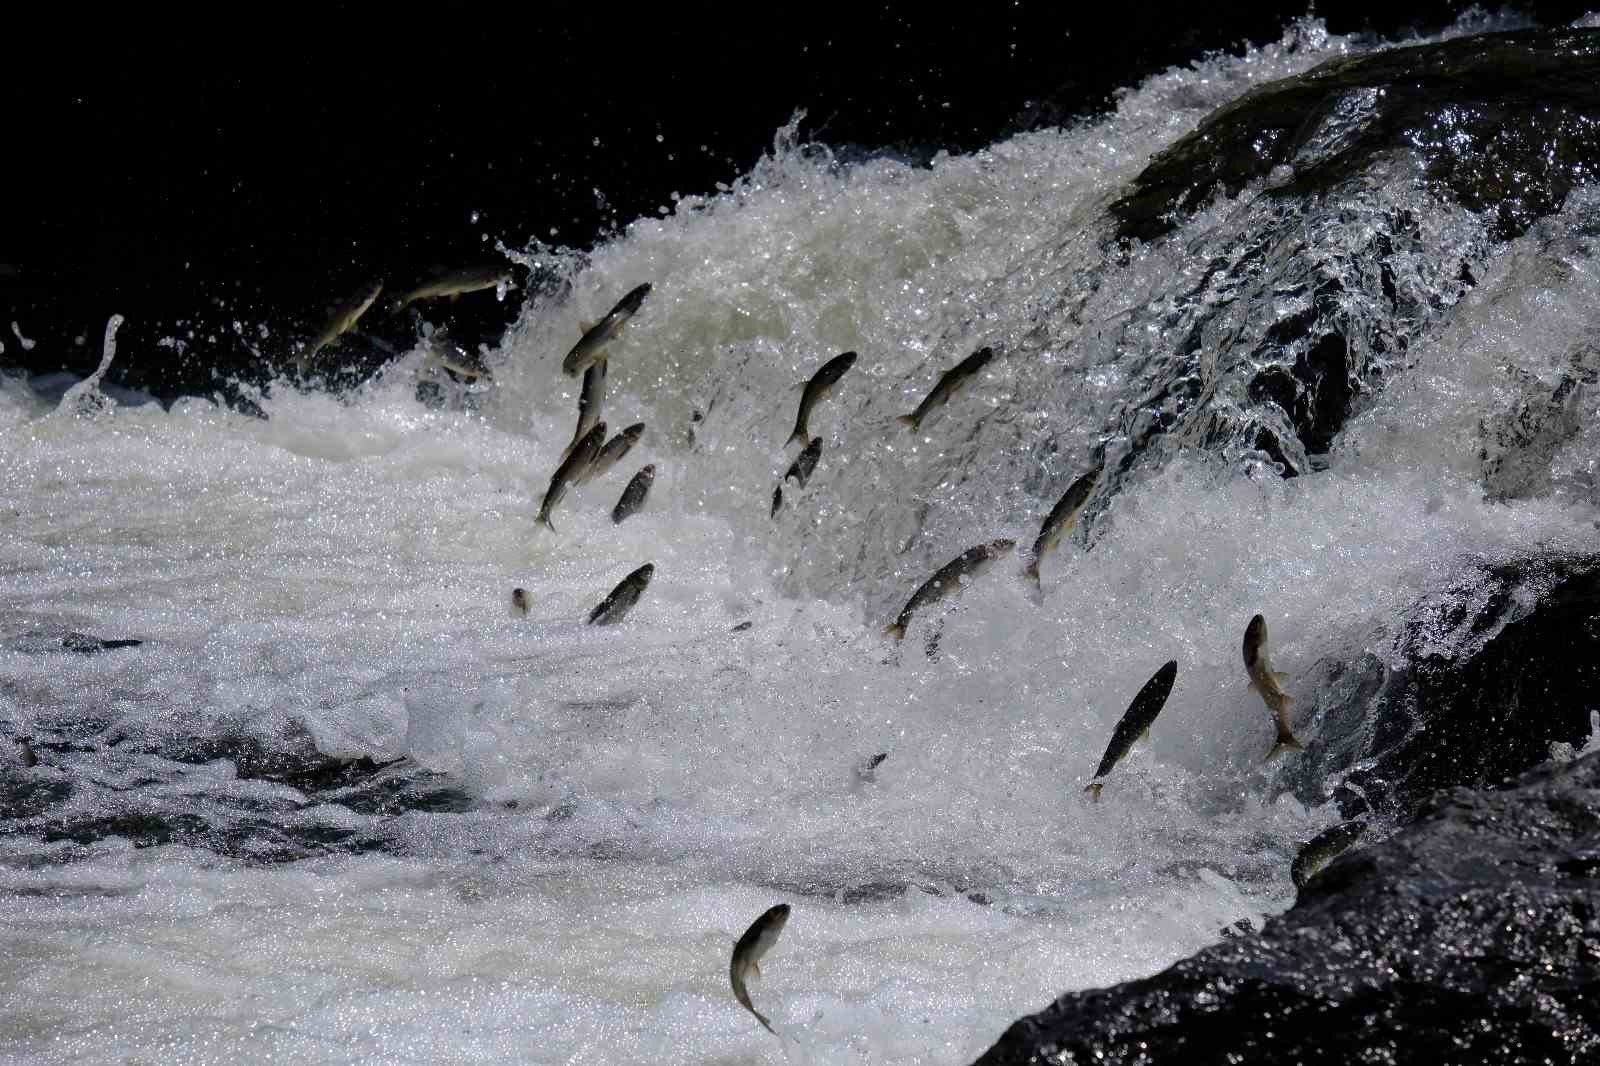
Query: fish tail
pixel 910 421
pixel 544 520
pixel 897 630
pixel 799 434
pixel 1032 574
pixel 1094 789
pixel 1286 742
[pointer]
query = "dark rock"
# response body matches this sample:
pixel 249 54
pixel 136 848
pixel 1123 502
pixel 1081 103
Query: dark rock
pixel 1491 672
pixel 1312 293
pixel 85 644
pixel 289 757
pixel 1504 123
pixel 47 641
pixel 91 795
pixel 1472 937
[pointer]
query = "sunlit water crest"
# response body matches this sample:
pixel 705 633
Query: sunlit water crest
pixel 617 804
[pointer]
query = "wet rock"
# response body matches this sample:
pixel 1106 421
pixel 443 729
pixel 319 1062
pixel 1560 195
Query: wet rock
pixel 1472 937
pixel 1500 127
pixel 45 642
pixel 1504 124
pixel 1520 443
pixel 1481 680
pixel 156 790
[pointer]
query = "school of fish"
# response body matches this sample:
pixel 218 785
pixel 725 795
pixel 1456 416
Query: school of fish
pixel 590 455
pixel 587 458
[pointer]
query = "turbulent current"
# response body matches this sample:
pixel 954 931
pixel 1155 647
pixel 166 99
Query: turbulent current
pixel 343 804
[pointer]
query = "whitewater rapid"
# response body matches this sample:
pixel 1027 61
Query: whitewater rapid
pixel 603 811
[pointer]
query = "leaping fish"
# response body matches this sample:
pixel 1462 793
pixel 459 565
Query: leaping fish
pixel 590 397
pixel 947 580
pixel 952 380
pixel 1135 723
pixel 612 454
pixel 821 383
pixel 566 474
pixel 1063 516
pixel 620 600
pixel 633 496
pixel 591 345
pixel 344 318
pixel 1269 684
pixel 1323 848
pixel 454 283
pixel 747 953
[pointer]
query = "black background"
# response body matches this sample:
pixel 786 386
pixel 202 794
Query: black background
pixel 254 164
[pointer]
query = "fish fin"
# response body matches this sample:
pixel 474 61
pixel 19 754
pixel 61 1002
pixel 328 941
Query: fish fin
pixel 1279 676
pixel 1145 735
pixel 895 630
pixel 544 520
pixel 909 421
pixel 797 435
pixel 1094 789
pixel 1287 742
pixel 1032 574
pixel 763 1020
pixel 1252 686
pixel 755 968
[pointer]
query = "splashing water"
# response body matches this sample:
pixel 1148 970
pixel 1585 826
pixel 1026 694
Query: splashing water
pixel 587 818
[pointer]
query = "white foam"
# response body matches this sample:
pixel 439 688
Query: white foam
pixel 346 564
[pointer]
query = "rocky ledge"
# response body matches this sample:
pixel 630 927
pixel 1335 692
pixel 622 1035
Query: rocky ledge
pixel 1471 937
pixel 1506 124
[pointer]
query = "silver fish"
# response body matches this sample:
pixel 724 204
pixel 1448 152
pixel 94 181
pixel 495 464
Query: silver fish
pixel 805 462
pixel 590 397
pixel 633 496
pixel 952 380
pixel 1063 516
pixel 344 318
pixel 580 457
pixel 454 283
pixel 591 345
pixel 747 954
pixel 821 383
pixel 458 365
pixel 1323 848
pixel 1269 684
pixel 947 580
pixel 615 607
pixel 612 454
pixel 519 600
pixel 1135 723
